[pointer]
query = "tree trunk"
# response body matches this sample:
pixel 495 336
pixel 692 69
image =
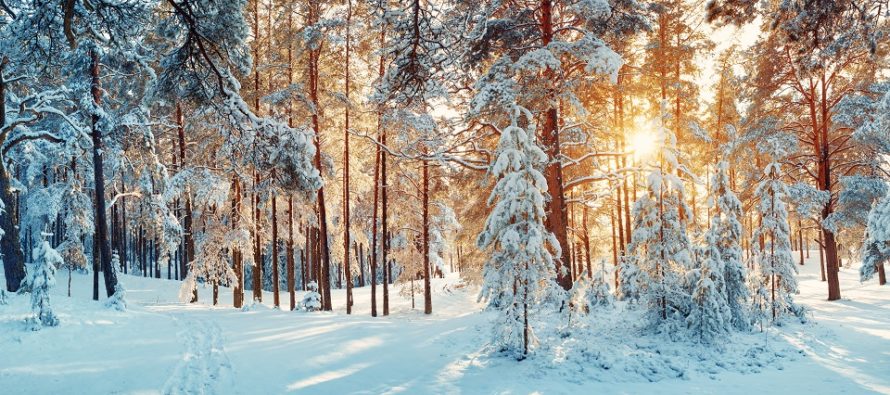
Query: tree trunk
pixel 189 252
pixel 800 239
pixel 290 253
pixel 556 206
pixel 821 255
pixel 237 263
pixel 257 283
pixel 614 246
pixel 372 249
pixel 587 244
pixel 324 277
pixel 384 232
pixel 427 292
pixel 346 224
pixel 276 298
pixel 99 179
pixel 10 243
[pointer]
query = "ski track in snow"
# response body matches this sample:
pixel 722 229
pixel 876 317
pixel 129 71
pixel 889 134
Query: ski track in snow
pixel 205 367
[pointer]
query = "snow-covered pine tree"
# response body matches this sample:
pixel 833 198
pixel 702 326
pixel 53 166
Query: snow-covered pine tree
pixel 773 259
pixel 727 229
pixel 876 249
pixel 660 243
pixel 710 316
pixel 312 299
pixel 514 233
pixel 40 280
pixel 600 294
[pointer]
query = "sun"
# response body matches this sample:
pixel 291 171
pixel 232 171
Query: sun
pixel 643 144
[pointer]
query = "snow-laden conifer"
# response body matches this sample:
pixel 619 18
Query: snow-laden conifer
pixel 521 248
pixel 773 258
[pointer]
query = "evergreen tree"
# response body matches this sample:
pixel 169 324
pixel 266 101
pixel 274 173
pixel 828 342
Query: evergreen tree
pixel 312 299
pixel 876 249
pixel 659 241
pixel 711 316
pixel 40 280
pixel 514 233
pixel 773 258
pixel 726 232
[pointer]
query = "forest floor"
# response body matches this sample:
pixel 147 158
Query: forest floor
pixel 160 345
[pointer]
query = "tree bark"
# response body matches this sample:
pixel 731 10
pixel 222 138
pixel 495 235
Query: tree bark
pixel 276 297
pixel 372 249
pixel 10 243
pixel 189 253
pixel 108 270
pixel 237 263
pixel 257 283
pixel 291 279
pixel 314 54
pixel 556 207
pixel 346 219
pixel 384 232
pixel 427 293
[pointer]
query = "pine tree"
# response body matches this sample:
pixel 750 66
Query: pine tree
pixel 726 230
pixel 515 235
pixel 773 257
pixel 659 241
pixel 40 280
pixel 710 317
pixel 312 299
pixel 876 249
pixel 599 294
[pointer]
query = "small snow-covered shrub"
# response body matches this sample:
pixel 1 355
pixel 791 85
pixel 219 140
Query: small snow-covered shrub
pixel 118 300
pixel 3 298
pixel 40 280
pixel 312 300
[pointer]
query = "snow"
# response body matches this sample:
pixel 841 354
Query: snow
pixel 159 345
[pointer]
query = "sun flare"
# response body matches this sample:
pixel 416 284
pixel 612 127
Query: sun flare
pixel 643 144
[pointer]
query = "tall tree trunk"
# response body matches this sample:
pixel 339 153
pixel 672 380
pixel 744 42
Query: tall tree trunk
pixel 346 219
pixel 257 283
pixel 821 256
pixel 189 253
pixel 123 252
pixel 325 275
pixel 276 297
pixel 427 293
pixel 556 206
pixel 825 184
pixel 10 243
pixel 372 249
pixel 614 246
pixel 237 263
pixel 587 244
pixel 800 239
pixel 384 232
pixel 291 278
pixel 101 219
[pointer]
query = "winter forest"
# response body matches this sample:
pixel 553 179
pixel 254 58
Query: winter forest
pixel 441 197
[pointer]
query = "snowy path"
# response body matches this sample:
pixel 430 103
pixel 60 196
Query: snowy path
pixel 161 346
pixel 852 336
pixel 205 367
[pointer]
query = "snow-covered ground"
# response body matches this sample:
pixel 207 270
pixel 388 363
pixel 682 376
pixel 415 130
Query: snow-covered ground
pixel 162 346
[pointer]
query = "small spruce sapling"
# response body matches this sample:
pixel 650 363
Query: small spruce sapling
pixel 312 300
pixel 117 301
pixel 40 280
